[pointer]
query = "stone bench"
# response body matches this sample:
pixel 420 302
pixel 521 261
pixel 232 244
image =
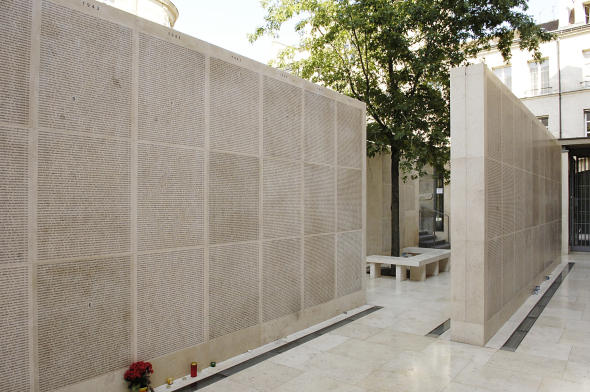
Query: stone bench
pixel 422 262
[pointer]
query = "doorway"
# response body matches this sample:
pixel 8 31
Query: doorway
pixel 579 200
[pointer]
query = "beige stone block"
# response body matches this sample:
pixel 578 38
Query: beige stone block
pixel 476 111
pixel 14 328
pixel 350 145
pixel 282 118
pixel 459 201
pixel 432 269
pixel 458 280
pixel 418 273
pixel 493 209
pixel 319 129
pixel 507 129
pixel 374 270
pixel 508 268
pixel 508 199
pixel 400 273
pixel 15 61
pixel 493 300
pixel 493 122
pixel 458 113
pixel 374 205
pixel 475 199
pixel 475 281
pixel 465 332
pixel 520 259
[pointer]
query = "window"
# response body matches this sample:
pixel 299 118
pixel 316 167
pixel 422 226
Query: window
pixel 587 12
pixel 587 121
pixel 539 77
pixel 505 75
pixel 544 120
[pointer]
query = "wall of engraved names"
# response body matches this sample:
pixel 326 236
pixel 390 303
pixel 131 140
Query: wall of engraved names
pixel 142 179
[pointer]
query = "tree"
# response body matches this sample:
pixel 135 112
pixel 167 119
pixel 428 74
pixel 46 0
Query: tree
pixel 395 55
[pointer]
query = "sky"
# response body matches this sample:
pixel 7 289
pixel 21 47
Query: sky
pixel 227 23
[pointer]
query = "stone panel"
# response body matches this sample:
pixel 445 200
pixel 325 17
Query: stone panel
pixel 508 199
pixel 350 207
pixel 15 48
pixel 13 195
pixel 234 108
pixel 85 73
pixel 83 196
pixel 282 111
pixel 349 139
pixel 349 263
pixel 14 329
pixel 493 198
pixel 319 276
pixel 493 134
pixel 233 198
pixel 494 271
pixel 319 129
pixel 84 320
pixel 281 278
pixel 171 93
pixel 170 197
pixel 170 302
pixel 233 288
pixel 507 128
pixel 282 192
pixel 319 199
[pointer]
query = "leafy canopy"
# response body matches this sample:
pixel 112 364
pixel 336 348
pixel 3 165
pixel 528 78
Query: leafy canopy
pixel 395 55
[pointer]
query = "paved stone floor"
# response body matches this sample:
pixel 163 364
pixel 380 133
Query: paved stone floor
pixel 387 350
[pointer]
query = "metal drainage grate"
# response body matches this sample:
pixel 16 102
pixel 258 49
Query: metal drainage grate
pixel 269 354
pixel 438 331
pixel 518 335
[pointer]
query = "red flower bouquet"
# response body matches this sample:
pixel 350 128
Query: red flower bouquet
pixel 138 375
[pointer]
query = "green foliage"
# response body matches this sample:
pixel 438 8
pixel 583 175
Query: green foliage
pixel 395 55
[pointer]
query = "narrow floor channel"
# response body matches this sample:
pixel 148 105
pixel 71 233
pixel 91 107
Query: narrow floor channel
pixel 525 326
pixel 438 331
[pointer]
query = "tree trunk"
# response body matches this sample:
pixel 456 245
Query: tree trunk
pixel 395 229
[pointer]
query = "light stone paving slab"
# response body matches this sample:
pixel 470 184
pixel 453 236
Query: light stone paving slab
pixel 357 330
pixel 402 381
pixel 228 385
pixel 497 379
pixel 296 357
pixel 392 359
pixel 313 381
pixel 580 355
pixel 266 376
pixel 326 342
pixel 456 387
pixel 340 367
pixel 553 384
pixel 543 348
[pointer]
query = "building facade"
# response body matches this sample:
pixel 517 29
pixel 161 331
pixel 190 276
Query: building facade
pixel 557 89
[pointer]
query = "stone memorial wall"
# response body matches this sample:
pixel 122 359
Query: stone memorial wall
pixel 162 199
pixel 505 204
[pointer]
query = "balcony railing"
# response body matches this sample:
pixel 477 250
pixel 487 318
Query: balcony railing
pixel 539 91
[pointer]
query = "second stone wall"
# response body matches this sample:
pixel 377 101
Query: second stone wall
pixel 505 206
pixel 379 207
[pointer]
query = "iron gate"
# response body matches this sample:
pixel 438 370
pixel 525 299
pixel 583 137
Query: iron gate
pixel 579 203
